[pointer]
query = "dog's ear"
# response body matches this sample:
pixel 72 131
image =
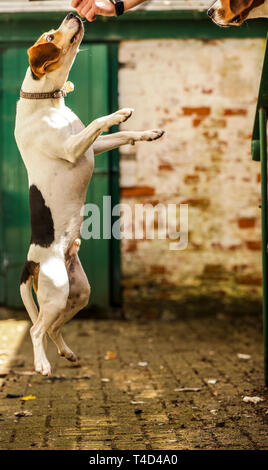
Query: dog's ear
pixel 43 58
pixel 238 6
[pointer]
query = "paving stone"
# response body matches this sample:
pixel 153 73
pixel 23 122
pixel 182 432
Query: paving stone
pixel 140 406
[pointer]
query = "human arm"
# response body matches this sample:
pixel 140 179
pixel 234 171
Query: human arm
pixel 90 8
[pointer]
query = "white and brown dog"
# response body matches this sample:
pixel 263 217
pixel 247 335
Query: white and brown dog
pixel 234 12
pixel 58 152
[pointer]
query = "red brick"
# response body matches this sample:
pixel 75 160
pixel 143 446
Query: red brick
pixel 200 168
pixel 201 111
pixel 165 166
pixel 234 247
pixel 213 268
pixel 215 271
pixel 235 112
pixel 207 91
pixel 197 122
pixel 191 179
pixel 157 269
pixel 217 245
pixel 203 203
pixel 246 222
pixel 137 191
pixel 239 267
pixel 249 280
pixel 254 245
pixel 131 246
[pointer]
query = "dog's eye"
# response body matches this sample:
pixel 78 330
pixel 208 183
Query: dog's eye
pixel 50 37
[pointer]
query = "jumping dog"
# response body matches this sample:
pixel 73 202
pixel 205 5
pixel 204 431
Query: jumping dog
pixel 58 152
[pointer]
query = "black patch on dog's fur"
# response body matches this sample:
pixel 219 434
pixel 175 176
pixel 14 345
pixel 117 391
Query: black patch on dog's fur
pixel 28 271
pixel 41 219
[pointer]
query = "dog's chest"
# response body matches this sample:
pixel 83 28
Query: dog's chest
pixel 42 149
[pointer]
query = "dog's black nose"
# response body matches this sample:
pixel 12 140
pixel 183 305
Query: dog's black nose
pixel 210 11
pixel 70 16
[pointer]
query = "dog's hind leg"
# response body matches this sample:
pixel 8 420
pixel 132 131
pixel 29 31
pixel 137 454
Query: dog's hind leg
pixel 26 283
pixel 52 295
pixel 79 292
pixel 29 277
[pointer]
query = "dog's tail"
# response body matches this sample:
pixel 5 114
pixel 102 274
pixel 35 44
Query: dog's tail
pixel 28 276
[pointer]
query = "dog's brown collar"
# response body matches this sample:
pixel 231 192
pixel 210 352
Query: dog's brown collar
pixel 56 94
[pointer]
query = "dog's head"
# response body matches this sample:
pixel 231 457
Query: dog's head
pixel 56 49
pixel 234 12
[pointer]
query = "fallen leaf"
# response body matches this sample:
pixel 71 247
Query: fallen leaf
pixel 23 413
pixel 254 400
pixel 24 372
pixel 243 356
pixel 29 397
pixel 187 389
pixel 110 355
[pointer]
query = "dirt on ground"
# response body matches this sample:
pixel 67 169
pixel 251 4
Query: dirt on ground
pixel 144 384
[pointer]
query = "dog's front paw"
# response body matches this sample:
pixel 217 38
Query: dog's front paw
pixel 123 114
pixel 151 135
pixel 120 116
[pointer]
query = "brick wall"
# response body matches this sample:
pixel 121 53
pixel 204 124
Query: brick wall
pixel 203 94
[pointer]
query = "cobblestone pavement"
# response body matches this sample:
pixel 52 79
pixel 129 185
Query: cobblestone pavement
pixel 127 392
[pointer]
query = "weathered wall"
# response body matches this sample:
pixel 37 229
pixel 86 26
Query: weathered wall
pixel 203 94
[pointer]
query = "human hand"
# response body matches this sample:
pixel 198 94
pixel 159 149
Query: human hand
pixel 90 8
